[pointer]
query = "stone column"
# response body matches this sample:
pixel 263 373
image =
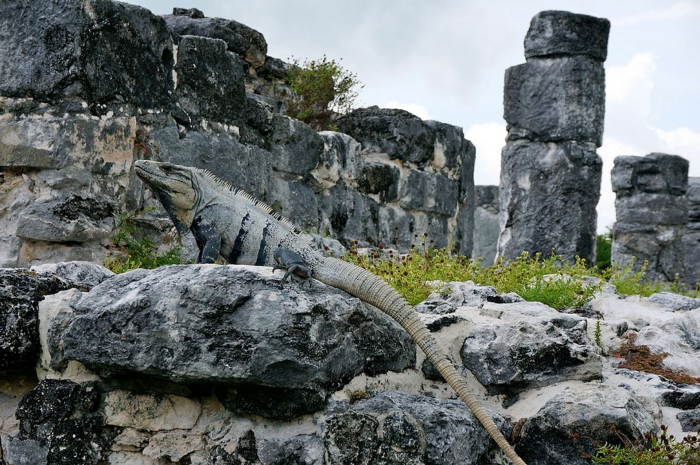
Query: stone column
pixel 486 226
pixel 691 238
pixel 651 213
pixel 554 105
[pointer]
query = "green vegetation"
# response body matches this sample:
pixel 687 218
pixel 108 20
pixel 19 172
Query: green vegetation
pixel 138 252
pixel 320 90
pixel 654 450
pixel 604 250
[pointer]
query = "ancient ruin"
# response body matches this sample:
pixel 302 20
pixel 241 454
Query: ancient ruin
pixel 652 211
pixel 554 105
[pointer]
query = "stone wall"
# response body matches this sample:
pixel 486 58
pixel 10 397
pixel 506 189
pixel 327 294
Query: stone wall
pixel 486 225
pixel 76 110
pixel 651 213
pixel 554 106
pixel 691 238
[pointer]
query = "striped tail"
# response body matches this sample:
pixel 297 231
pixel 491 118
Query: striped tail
pixel 375 291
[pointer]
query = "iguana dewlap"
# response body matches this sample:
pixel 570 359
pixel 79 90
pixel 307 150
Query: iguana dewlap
pixel 230 223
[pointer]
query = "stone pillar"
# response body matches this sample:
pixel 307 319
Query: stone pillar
pixel 554 105
pixel 486 226
pixel 691 238
pixel 651 213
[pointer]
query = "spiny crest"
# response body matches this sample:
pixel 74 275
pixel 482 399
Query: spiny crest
pixel 257 203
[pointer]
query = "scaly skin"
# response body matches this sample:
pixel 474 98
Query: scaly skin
pixel 218 215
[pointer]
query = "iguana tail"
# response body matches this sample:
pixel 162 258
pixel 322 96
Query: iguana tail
pixel 377 292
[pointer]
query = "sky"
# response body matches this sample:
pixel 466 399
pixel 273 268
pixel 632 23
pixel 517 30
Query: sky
pixel 445 60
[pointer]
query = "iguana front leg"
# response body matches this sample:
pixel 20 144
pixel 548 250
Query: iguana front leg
pixel 292 262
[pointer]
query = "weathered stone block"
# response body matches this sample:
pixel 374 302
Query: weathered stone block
pixel 563 33
pixel 652 212
pixel 102 52
pixel 545 436
pixel 548 198
pixel 227 325
pixel 556 99
pixel 209 81
pixel 648 208
pixel 486 225
pixel 380 179
pixel 656 173
pixel 427 192
pixel 248 43
pixel 296 148
pixel 398 133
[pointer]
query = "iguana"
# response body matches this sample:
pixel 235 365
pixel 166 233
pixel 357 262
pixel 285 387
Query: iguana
pixel 230 223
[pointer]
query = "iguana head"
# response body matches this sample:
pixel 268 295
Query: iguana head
pixel 176 188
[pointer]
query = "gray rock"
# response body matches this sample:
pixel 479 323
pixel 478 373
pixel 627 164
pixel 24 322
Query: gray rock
pixel 305 449
pixel 383 179
pixel 58 424
pixel 544 438
pixel 563 33
pixel 209 82
pixel 691 238
pixel 20 294
pixel 548 196
pixel 273 68
pixel 428 192
pixel 72 219
pixel 656 173
pixel 450 296
pixel 83 272
pixel 486 224
pixel 282 351
pixel 674 302
pixel 398 133
pixel 248 43
pixel 69 56
pixel 513 356
pixel 296 148
pixel 652 212
pixel 571 108
pixel 690 420
pixel 397 428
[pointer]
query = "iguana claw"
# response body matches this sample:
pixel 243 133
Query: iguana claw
pixel 293 263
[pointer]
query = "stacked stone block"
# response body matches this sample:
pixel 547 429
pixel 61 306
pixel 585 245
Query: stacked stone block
pixel 486 228
pixel 554 105
pixel 691 239
pixel 651 213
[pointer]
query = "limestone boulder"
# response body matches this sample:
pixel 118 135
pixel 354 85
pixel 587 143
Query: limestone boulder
pixel 280 352
pixel 486 225
pixel 397 428
pixel 544 438
pixel 20 294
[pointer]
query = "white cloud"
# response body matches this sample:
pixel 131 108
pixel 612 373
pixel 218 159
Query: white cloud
pixel 632 84
pixel 488 139
pixel 418 110
pixel 678 11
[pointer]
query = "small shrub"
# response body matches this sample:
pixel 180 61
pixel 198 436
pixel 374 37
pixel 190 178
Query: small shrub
pixel 138 253
pixel 654 450
pixel 320 90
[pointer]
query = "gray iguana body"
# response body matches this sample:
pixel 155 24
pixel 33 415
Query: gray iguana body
pixel 228 222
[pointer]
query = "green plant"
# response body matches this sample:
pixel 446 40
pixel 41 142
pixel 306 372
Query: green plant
pixel 138 253
pixel 598 332
pixel 551 281
pixel 654 450
pixel 604 250
pixel 320 90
